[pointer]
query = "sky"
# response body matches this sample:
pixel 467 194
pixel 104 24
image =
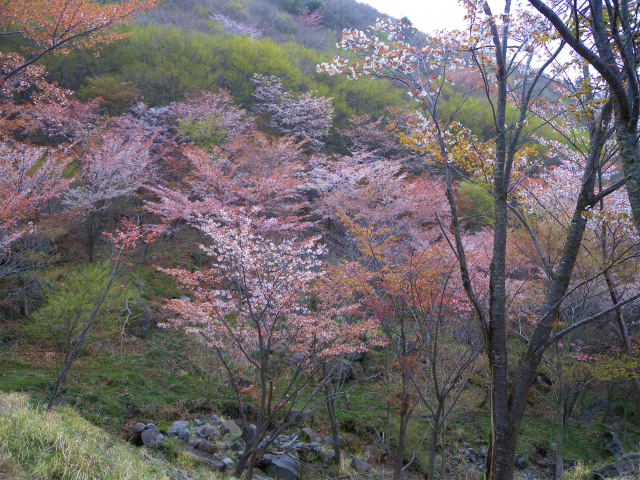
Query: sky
pixel 428 15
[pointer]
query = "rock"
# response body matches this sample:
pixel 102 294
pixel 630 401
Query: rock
pixel 261 476
pixel 184 298
pixel 184 434
pixel 148 436
pixel 294 417
pixel 285 467
pixel 237 446
pixel 197 422
pixel 329 440
pixel 467 445
pixel 209 432
pixel 520 463
pixel 360 465
pixel 342 371
pixel 229 464
pixel 134 435
pixel 453 462
pixel 356 356
pixel 311 435
pixel 208 447
pixel 297 359
pixel 611 445
pixel 159 440
pixel 248 434
pixel 608 471
pixel 241 382
pixel 483 452
pixel 213 462
pixel 175 427
pixel 231 427
pixel 627 465
pixel 325 455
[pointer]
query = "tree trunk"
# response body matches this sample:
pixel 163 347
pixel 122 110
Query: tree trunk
pixel 387 430
pixel 405 413
pixel 330 391
pixel 76 348
pixel 561 421
pixel 627 140
pixel 625 340
pixel 433 447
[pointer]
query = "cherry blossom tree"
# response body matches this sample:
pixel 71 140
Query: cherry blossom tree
pixel 307 117
pixel 606 37
pixel 252 307
pixel 114 162
pixel 502 49
pixel 211 118
pixel 30 177
pixel 59 26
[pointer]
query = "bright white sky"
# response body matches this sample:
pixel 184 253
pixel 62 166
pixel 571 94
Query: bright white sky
pixel 429 15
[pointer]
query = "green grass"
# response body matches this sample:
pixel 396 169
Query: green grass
pixel 63 445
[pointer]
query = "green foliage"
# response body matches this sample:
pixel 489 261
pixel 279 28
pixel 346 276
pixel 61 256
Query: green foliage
pixel 205 132
pixel 164 62
pixel 72 301
pixel 117 95
pixel 475 205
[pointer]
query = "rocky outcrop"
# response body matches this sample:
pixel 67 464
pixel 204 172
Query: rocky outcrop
pixel 627 465
pixel 611 445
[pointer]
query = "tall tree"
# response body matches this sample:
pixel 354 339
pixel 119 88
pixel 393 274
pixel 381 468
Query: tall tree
pixel 606 34
pixel 502 50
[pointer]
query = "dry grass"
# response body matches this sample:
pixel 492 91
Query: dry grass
pixel 62 445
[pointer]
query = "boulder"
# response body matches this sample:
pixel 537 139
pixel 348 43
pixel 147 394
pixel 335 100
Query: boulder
pixel 342 371
pixel 184 434
pixel 148 436
pixel 311 435
pixel 228 463
pixel 175 427
pixel 159 440
pixel 325 455
pixel 209 432
pixel 261 476
pixel 627 465
pixel 611 445
pixel 520 462
pixel 209 460
pixel 248 434
pixel 360 465
pixel 329 441
pixel 208 447
pixel 285 467
pixel 231 427
pixel 134 435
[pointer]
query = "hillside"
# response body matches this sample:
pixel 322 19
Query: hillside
pixel 225 253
